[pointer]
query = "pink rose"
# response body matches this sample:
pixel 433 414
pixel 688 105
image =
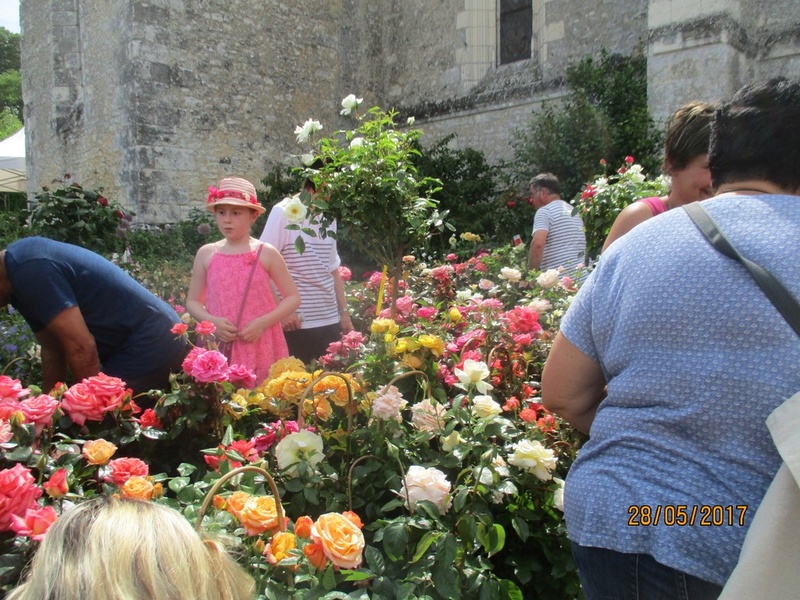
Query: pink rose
pixel 187 363
pixel 39 410
pixel 35 523
pixel 6 433
pixel 523 319
pixel 57 486
pixel 205 328
pixel 9 406
pixel 345 273
pixel 18 492
pixel 427 312
pixel 123 469
pixel 93 397
pixel 242 376
pixel 210 366
pixel 630 160
pixel 12 388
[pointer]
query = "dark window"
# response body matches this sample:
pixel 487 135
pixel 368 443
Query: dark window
pixel 516 28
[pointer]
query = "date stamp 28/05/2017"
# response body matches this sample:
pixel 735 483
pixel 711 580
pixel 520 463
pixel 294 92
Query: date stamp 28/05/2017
pixel 686 515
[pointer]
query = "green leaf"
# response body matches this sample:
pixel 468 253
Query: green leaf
pixel 374 559
pixel 423 545
pixel 395 540
pixel 227 439
pixel 299 245
pixel 495 539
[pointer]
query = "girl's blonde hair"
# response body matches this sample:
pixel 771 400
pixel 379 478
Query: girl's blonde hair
pixel 118 549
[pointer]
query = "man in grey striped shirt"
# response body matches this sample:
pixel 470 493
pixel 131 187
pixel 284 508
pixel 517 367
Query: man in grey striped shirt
pixel 558 237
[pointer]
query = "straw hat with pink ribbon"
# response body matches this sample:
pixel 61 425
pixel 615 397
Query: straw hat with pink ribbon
pixel 234 191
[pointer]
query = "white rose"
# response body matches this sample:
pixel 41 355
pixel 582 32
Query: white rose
pixel 540 305
pixel 484 407
pixel 410 121
pixel 293 209
pixel 512 275
pixel 388 403
pixel 486 284
pixel 534 458
pixel 474 372
pixel 426 484
pixel 307 159
pixel 307 129
pixel 350 103
pixel 548 279
pixel 300 446
pixel 427 416
pixel 558 495
pixel 357 142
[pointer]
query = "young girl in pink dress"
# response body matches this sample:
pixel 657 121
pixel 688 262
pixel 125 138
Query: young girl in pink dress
pixel 230 284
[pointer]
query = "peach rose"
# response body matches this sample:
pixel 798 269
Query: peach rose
pixel 354 518
pixel 138 488
pixel 56 486
pixel 280 547
pixel 235 503
pixel 340 538
pixel 98 452
pixel 18 492
pixel 35 523
pixel 123 469
pixel 259 514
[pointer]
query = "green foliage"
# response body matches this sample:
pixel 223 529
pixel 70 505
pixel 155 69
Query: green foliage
pixel 9 123
pixel 373 189
pixel 617 86
pixel 76 215
pixel 19 354
pixel 567 141
pixel 605 117
pixel 12 217
pixel 11 95
pixel 468 192
pixel 9 50
pixel 603 199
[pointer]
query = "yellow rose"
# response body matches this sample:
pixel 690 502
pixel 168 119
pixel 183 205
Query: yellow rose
pixel 381 325
pixel 282 365
pixel 455 314
pixel 340 538
pixel 98 452
pixel 432 343
pixel 412 361
pixel 137 488
pixel 259 514
pixel 319 406
pixel 280 547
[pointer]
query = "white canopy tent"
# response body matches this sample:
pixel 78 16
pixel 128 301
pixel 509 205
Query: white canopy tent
pixel 13 175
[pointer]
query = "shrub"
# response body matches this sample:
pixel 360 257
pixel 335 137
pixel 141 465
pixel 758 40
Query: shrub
pixel 73 214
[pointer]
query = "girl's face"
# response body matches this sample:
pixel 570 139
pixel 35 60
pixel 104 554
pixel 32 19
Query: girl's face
pixel 234 222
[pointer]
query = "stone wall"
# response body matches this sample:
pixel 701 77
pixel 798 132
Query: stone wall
pixel 155 100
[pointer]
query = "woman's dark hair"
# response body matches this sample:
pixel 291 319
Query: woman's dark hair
pixel 688 134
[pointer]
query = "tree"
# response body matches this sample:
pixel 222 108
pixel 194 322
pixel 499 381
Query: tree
pixel 10 80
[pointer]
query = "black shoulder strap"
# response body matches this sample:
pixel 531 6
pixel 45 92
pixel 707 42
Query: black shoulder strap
pixel 774 289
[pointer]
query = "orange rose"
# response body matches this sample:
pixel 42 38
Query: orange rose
pixel 302 527
pixel 98 452
pixel 138 488
pixel 280 547
pixel 219 502
pixel 315 555
pixel 340 538
pixel 319 407
pixel 236 502
pixel 260 514
pixel 351 516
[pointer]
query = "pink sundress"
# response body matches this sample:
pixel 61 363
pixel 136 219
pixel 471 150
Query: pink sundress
pixel 225 284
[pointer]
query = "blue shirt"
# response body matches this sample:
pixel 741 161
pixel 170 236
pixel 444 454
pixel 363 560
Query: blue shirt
pixel 696 357
pixel 130 325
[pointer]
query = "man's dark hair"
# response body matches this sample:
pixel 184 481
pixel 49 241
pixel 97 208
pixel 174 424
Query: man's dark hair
pixel 547 181
pixel 755 135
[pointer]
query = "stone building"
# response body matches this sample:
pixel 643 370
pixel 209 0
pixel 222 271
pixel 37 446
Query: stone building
pixel 155 100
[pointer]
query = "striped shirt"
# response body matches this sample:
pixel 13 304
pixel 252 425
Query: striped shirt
pixel 566 242
pixel 311 270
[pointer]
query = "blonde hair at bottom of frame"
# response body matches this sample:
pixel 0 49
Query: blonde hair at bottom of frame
pixel 118 549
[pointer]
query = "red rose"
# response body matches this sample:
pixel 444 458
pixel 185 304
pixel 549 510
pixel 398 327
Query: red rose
pixel 102 201
pixel 150 419
pixel 123 469
pixel 179 328
pixel 205 328
pixel 511 204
